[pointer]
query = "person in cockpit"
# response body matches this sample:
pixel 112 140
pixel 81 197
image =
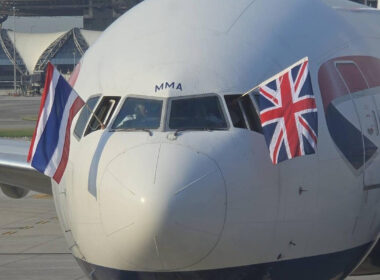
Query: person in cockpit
pixel 136 116
pixel 141 112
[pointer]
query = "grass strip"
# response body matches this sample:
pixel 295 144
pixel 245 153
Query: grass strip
pixel 16 133
pixel 30 118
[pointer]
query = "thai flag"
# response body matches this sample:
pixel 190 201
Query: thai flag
pixel 50 146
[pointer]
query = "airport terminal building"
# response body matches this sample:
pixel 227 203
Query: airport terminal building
pixel 34 50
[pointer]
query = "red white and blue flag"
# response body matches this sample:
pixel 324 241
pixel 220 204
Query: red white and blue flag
pixel 288 113
pixel 50 146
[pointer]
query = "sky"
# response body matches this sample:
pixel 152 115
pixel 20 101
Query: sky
pixel 43 24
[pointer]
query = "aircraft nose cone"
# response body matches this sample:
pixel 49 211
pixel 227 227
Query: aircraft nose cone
pixel 162 206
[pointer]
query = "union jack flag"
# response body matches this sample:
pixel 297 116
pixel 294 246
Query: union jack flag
pixel 288 114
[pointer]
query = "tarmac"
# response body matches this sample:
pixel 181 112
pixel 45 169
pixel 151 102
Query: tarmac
pixel 32 246
pixel 18 112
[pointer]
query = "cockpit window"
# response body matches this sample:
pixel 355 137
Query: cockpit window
pixel 102 114
pixel 197 113
pixel 139 113
pixel 251 114
pixel 243 112
pixel 84 116
pixel 235 111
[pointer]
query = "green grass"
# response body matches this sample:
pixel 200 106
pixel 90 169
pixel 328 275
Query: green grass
pixel 29 118
pixel 16 133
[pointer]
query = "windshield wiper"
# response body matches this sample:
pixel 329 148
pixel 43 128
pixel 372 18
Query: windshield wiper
pixel 134 129
pixel 197 129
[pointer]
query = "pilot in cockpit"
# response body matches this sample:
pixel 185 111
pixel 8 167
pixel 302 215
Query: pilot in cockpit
pixel 141 112
pixel 137 114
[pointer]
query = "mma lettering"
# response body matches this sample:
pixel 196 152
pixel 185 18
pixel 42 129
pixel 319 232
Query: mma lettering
pixel 167 85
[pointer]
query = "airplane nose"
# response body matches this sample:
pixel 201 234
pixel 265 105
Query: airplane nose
pixel 162 206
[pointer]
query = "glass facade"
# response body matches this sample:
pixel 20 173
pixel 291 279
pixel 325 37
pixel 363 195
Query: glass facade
pixel 371 3
pixel 6 71
pixel 64 54
pixel 65 59
pixel 67 56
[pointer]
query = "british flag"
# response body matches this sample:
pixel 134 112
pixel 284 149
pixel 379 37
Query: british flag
pixel 288 114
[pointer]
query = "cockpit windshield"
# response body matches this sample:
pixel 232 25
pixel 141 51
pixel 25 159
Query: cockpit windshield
pixel 139 113
pixel 197 113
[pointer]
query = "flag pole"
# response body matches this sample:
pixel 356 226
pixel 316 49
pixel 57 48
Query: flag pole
pixel 102 126
pixel 251 90
pixel 275 76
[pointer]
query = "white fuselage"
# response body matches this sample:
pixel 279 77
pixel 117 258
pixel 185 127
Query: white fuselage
pixel 210 200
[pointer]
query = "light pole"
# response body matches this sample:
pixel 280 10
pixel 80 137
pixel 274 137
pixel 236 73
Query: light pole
pixel 14 48
pixel 74 60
